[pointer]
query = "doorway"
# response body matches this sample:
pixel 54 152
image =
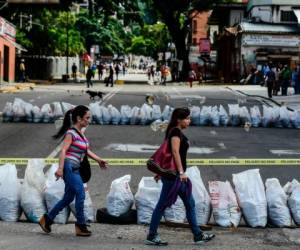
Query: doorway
pixel 6 64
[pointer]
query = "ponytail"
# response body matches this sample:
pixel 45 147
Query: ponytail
pixel 70 118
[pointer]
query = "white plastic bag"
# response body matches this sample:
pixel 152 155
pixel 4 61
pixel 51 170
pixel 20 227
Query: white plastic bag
pixel 156 112
pixel 244 115
pixel 120 198
pixel 47 113
pixel 115 114
pixel 290 186
pixel 32 196
pixel 18 110
pixel 167 112
pixel 205 117
pixel 10 193
pixel 255 116
pixel 226 210
pixel 66 107
pixel 294 117
pixel 215 116
pixel 106 116
pixel 96 112
pixel 146 199
pixel 88 208
pixel 146 114
pixel 251 195
pixel 57 110
pixel 135 116
pixel 28 111
pixel 54 192
pixel 201 196
pixel 234 114
pixel 125 114
pixel 8 112
pixel 278 210
pixel 176 213
pixel 195 115
pixel 37 114
pixel 223 116
pixel 294 204
pixel 284 118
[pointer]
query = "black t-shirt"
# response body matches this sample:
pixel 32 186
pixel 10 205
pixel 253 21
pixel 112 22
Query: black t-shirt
pixel 184 145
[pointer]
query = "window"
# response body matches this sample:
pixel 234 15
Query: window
pixel 288 16
pixel 194 41
pixel 194 26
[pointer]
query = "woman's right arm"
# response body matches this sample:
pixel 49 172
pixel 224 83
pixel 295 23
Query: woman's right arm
pixel 66 144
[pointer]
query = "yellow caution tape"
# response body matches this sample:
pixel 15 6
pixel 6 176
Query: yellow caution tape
pixel 199 162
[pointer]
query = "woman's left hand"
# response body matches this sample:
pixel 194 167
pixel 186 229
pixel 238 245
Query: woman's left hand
pixel 183 177
pixel 103 164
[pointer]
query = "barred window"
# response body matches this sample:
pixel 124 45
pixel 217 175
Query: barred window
pixel 288 16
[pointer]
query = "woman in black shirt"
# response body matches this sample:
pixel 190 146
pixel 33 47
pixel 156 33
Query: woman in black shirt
pixel 180 184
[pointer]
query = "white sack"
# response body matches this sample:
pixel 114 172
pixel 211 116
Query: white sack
pixel 226 210
pixel 120 198
pixel 251 195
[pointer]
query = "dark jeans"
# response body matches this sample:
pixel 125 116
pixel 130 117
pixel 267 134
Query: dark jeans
pixel 189 204
pixel 73 189
pixel 284 87
pixel 110 80
pixel 89 83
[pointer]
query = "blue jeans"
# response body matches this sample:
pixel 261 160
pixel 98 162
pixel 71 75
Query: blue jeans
pixel 189 204
pixel 73 189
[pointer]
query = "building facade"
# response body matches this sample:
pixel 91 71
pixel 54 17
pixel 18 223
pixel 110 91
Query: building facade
pixel 269 33
pixel 7 51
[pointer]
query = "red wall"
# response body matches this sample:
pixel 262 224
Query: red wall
pixel 12 57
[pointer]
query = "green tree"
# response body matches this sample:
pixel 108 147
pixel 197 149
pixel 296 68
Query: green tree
pixel 178 15
pixel 149 40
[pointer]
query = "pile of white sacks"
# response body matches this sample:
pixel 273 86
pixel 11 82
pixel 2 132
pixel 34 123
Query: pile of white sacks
pixel 235 115
pixel 257 203
pixel 36 194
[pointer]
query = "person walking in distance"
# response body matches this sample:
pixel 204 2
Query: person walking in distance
pixel 110 77
pixel 270 81
pixel 22 70
pixel 179 185
pixel 89 75
pixel 74 71
pixel 75 146
pixel 191 77
pixel 100 71
pixel 117 70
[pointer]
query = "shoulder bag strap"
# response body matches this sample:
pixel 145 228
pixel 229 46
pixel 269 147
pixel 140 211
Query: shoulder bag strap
pixel 81 138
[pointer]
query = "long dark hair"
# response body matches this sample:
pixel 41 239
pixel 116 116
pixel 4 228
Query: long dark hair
pixel 178 114
pixel 71 118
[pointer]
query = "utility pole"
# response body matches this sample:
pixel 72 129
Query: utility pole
pixel 67 50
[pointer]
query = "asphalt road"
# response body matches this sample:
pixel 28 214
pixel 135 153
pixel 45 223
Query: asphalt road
pixel 23 140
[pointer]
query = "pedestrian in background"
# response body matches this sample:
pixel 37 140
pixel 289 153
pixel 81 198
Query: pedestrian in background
pixel 270 81
pixel 191 77
pixel 74 71
pixel 286 76
pixel 75 146
pixel 297 81
pixel 22 69
pixel 110 76
pixel 100 68
pixel 117 70
pixel 276 86
pixel 89 75
pixel 295 76
pixel 180 185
